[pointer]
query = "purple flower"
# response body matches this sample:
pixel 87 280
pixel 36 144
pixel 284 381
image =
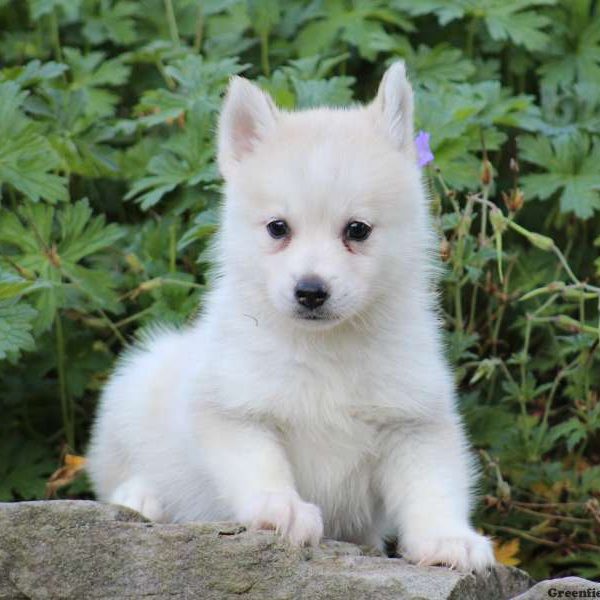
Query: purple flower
pixel 424 153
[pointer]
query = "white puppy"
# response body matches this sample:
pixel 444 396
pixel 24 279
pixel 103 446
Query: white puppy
pixel 311 396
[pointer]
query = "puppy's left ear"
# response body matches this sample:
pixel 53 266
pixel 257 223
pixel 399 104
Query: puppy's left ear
pixel 393 107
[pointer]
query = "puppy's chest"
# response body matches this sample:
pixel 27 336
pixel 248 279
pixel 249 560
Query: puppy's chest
pixel 327 406
pixel 321 390
pixel 335 465
pixel 332 421
pixel 329 417
pixel 330 444
pixel 332 403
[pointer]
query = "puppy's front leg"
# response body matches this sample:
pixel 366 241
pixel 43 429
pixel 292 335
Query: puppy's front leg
pixel 254 477
pixel 425 483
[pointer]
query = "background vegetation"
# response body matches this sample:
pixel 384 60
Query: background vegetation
pixel 109 196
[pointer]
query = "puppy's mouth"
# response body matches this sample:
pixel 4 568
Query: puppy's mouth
pixel 315 317
pixel 316 320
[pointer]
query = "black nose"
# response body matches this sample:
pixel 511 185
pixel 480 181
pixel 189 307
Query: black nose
pixel 311 292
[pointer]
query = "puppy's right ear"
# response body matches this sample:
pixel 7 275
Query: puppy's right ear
pixel 247 117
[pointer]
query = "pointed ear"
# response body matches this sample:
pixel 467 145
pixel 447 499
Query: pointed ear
pixel 393 106
pixel 248 115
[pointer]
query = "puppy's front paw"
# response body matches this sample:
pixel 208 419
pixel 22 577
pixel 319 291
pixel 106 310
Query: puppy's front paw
pixel 137 495
pixel 300 522
pixel 465 550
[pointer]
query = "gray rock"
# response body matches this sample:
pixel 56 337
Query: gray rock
pixel 567 587
pixel 83 550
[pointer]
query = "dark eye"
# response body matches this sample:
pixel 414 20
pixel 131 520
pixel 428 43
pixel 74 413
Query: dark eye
pixel 357 231
pixel 278 229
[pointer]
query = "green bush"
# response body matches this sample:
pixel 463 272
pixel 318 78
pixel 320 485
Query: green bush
pixel 110 195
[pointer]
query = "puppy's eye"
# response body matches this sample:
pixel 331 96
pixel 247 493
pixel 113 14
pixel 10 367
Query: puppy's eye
pixel 357 231
pixel 278 229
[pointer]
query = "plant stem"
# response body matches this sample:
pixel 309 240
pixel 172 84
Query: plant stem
pixel 502 308
pixel 172 22
pixel 172 248
pixel 168 79
pixel 464 226
pixel 459 325
pixel 264 54
pixel 156 282
pixel 199 28
pixel 66 403
pixel 55 36
pixel 113 327
pixel 543 515
pixel 559 377
pixel 565 264
pixel 471 27
pixel 133 317
pixel 524 535
pixel 13 198
pixel 599 317
pixel 525 351
pixel 482 243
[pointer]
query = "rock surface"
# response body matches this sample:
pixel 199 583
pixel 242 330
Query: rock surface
pixel 567 587
pixel 83 550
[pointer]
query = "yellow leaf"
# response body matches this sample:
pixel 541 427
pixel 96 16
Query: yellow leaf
pixel 548 493
pixel 506 552
pixel 75 462
pixel 63 476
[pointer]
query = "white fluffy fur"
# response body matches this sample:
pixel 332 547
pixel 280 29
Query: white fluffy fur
pixel 346 427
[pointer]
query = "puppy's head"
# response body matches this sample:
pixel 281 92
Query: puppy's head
pixel 324 208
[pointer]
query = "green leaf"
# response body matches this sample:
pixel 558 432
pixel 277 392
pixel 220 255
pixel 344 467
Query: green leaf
pixel 40 8
pixel 575 51
pixel 26 157
pixel 445 10
pixel 459 345
pixel 12 286
pixel 518 21
pixel 336 91
pixel 91 73
pixel 458 116
pixel 25 466
pixel 112 21
pixel 53 243
pixel 16 323
pixel 303 83
pixel 264 15
pixel 585 563
pixel 431 67
pixel 507 21
pixel 77 135
pixel 359 24
pixel 185 160
pixel 572 430
pixel 199 84
pixel 83 234
pixel 205 224
pixel 33 72
pixel 572 169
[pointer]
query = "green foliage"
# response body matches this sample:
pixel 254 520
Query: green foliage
pixel 574 55
pixel 26 158
pixel 109 195
pixel 516 21
pixel 15 327
pixel 572 165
